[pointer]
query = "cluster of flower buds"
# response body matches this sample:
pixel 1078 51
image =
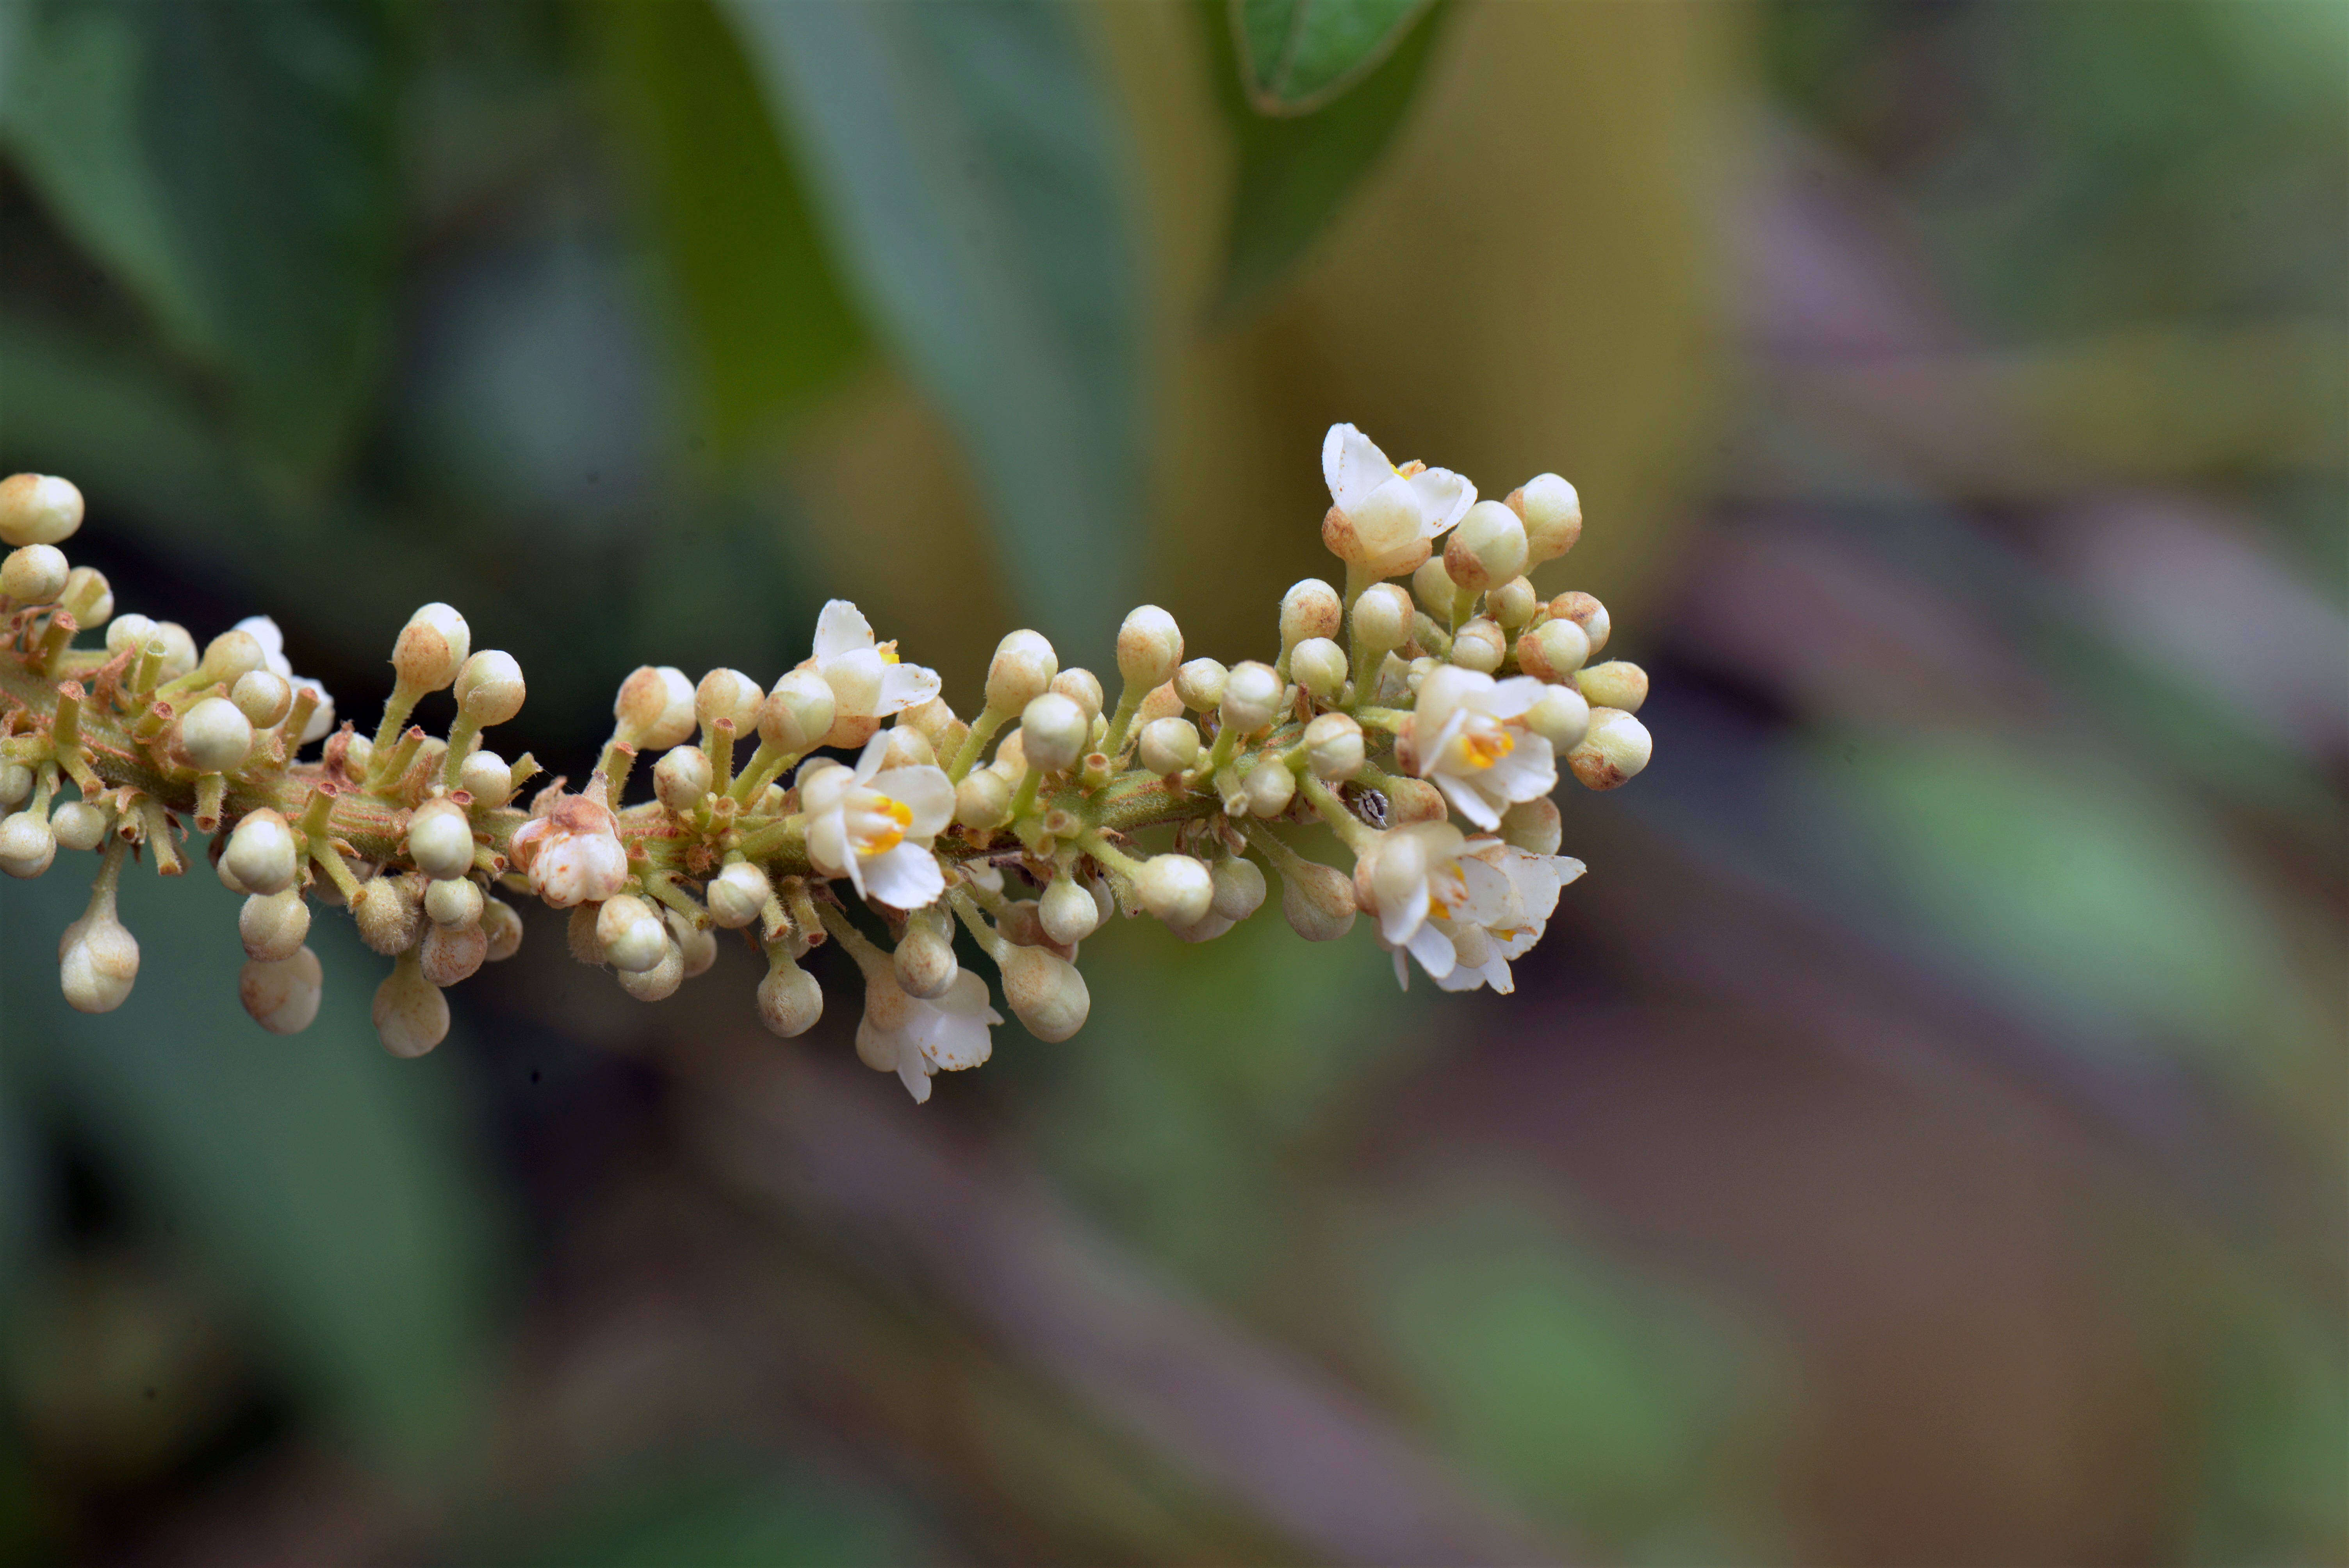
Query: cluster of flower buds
pixel 846 802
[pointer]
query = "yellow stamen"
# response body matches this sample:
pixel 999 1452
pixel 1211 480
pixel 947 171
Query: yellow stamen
pixel 1488 748
pixel 889 839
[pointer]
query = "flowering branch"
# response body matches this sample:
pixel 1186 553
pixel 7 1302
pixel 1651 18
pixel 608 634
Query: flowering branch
pixel 1025 824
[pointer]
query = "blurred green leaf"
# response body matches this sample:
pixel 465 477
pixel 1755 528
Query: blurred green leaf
pixel 322 1182
pixel 971 172
pixel 721 1520
pixel 232 165
pixel 770 324
pixel 1295 172
pixel 1295 56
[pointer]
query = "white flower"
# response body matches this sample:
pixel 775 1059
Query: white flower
pixel 1468 731
pixel 1384 517
pixel 1462 907
pixel 902 1033
pixel 867 683
pixel 573 855
pixel 873 825
pixel 273 649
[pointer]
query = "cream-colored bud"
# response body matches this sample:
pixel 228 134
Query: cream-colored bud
pixel 490 687
pixel 227 877
pixel 1561 717
pixel 655 707
pixel 738 895
pixel 453 900
pixel 264 696
pixel 1269 787
pixel 1251 700
pixel 441 840
pixel 1310 608
pixel 38 508
pixel 935 722
pixel 450 954
pixel 1617 748
pixel 1021 671
pixel 1168 746
pixel 129 633
pixel 87 598
pixel 789 1000
pixel 1149 647
pixel 1053 732
pixel 1434 589
pixel 283 993
pixel 1383 618
pixel 1319 667
pixel 681 778
pixel 1553 651
pixel 1533 826
pixel 15 784
pixel 728 694
pixel 924 959
pixel 431 648
pixel 1177 889
pixel 177 656
pixel 411 1017
pixel 983 801
pixel 389 918
pixel 907 748
pixel 214 737
pixel 1068 911
pixel 579 935
pixel 97 961
pixel 78 825
pixel 358 752
pixel 797 713
pixel 1317 901
pixel 35 573
pixel 661 982
pixel 232 656
pixel 1333 747
pixel 696 945
pixel 1586 612
pixel 274 925
pixel 1553 516
pixel 1618 684
pixel 503 926
pixel 1045 992
pixel 1082 688
pixel 1487 549
pixel 1239 888
pixel 1480 646
pixel 488 778
pixel 1159 702
pixel 26 845
pixel 1200 684
pixel 261 853
pixel 1512 604
pixel 630 935
pixel 1413 801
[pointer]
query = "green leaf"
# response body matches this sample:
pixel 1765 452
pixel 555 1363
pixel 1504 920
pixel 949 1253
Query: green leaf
pixel 968 166
pixel 231 164
pixel 1295 56
pixel 768 323
pixel 1295 172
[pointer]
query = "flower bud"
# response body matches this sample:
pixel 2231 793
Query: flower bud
pixel 1200 684
pixel 924 960
pixel 1310 609
pixel 1382 619
pixel 26 845
pixel 738 895
pixel 983 801
pixel 579 935
pixel 1487 549
pixel 87 598
pixel 1159 702
pixel 1512 604
pixel 488 778
pixel 1317 901
pixel 129 633
pixel 1586 612
pixel 1552 514
pixel 431 648
pixel 1380 535
pixel 78 825
pixel 451 953
pixel 1239 888
pixel 274 925
pixel 789 1000
pixel 1479 645
pixel 1251 698
pixel 214 737
pixel 1168 746
pixel 232 656
pixel 358 751
pixel 1209 927
pixel 177 656
pixel 728 694
pixel 411 1017
pixel 696 945
pixel 1270 787
pixel 1053 732
pixel 1021 671
pixel 264 696
pixel 1413 801
pixel 441 840
pixel 1613 752
pixel 1175 888
pixel 1561 718
pixel 907 748
pixel 490 687
pixel 1434 589
pixel 1045 991
pixel 38 508
pixel 630 935
pixel 503 926
pixel 1533 826
pixel 1618 684
pixel 1319 667
pixel 1149 647
pixel 387 916
pixel 1068 911
pixel 1333 747
pixel 681 778
pixel 661 982
pixel 654 710
pixel 797 713
pixel 283 993
pixel 261 853
pixel 98 960
pixel 1553 651
pixel 15 784
pixel 453 900
pixel 35 573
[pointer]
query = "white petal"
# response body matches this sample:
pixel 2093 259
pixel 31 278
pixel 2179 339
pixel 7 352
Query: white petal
pixel 954 1041
pixel 1528 773
pixel 322 717
pixel 1352 466
pixel 968 998
pixel 906 685
pixel 869 761
pixel 1468 797
pixel 1402 970
pixel 905 877
pixel 914 1072
pixel 1443 499
pixel 1399 921
pixel 1512 697
pixel 1448 693
pixel 1433 950
pixel 926 791
pixel 265 632
pixel 854 677
pixel 841 629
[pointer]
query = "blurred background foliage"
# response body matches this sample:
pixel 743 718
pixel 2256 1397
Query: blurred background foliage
pixel 1919 1137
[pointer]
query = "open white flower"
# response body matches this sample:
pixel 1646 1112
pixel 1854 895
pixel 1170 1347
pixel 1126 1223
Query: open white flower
pixel 868 683
pixel 1468 731
pixel 272 650
pixel 1511 894
pixel 873 825
pixel 904 1034
pixel 1385 518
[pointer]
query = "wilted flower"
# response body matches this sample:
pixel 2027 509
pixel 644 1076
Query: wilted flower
pixel 573 854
